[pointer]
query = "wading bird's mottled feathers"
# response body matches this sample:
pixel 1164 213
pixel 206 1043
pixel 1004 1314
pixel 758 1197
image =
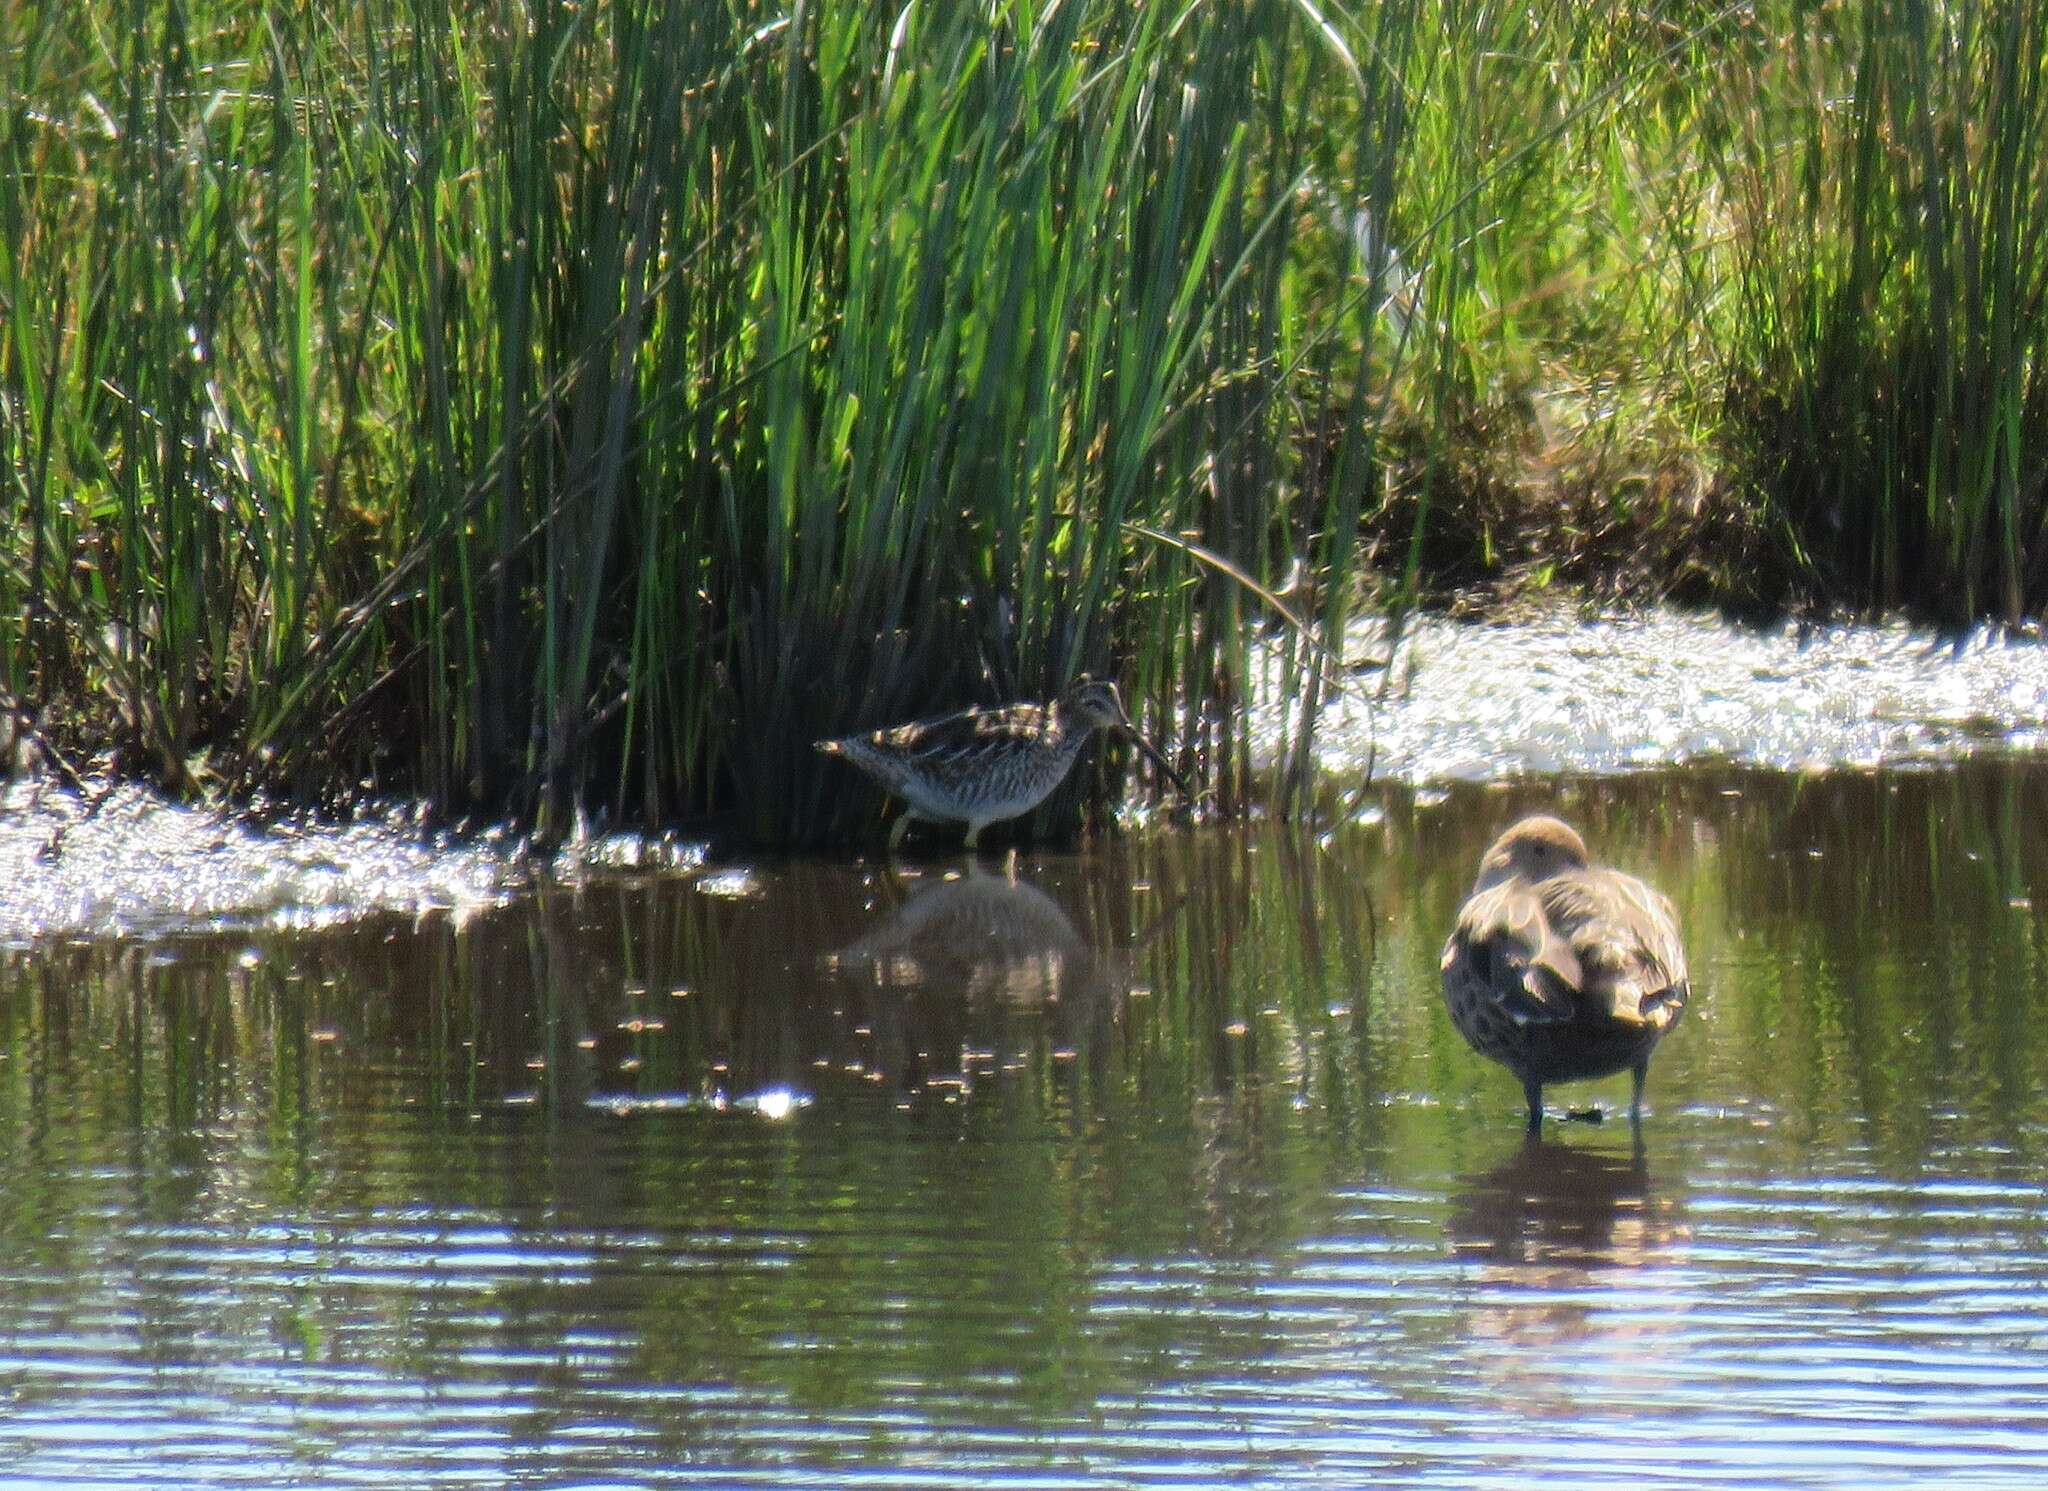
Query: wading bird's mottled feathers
pixel 1558 968
pixel 1506 950
pixel 945 748
pixel 1591 942
pixel 991 763
pixel 1625 936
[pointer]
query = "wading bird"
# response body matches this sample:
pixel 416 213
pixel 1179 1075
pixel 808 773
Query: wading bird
pixel 981 766
pixel 1561 970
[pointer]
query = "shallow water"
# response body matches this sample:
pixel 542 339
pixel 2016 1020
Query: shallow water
pixel 1153 1166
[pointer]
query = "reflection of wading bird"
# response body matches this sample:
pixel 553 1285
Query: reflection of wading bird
pixel 981 766
pixel 1560 970
pixel 1555 1203
pixel 967 969
pixel 1558 1237
pixel 981 934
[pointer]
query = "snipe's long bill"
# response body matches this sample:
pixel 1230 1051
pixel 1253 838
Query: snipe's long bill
pixel 982 766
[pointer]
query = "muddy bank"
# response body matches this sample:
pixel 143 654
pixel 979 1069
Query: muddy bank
pixel 1551 695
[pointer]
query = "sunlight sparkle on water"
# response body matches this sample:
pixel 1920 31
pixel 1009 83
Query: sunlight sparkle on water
pixel 1472 701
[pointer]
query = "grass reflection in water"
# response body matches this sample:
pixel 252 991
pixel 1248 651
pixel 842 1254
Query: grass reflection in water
pixel 1161 1157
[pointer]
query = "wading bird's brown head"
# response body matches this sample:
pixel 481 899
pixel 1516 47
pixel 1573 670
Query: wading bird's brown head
pixel 1094 702
pixel 1533 849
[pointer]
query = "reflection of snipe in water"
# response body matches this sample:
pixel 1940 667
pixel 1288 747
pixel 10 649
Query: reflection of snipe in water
pixel 984 935
pixel 969 976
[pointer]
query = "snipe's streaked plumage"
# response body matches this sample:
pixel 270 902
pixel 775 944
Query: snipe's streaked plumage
pixel 1560 969
pixel 981 766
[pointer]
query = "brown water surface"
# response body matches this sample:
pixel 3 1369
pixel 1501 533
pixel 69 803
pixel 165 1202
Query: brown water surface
pixel 1157 1165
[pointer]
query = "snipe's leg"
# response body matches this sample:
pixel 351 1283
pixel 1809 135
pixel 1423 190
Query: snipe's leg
pixel 973 833
pixel 1533 1091
pixel 901 828
pixel 1641 1072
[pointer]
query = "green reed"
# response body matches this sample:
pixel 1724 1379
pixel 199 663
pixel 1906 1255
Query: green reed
pixel 534 405
pixel 1888 199
pixel 538 404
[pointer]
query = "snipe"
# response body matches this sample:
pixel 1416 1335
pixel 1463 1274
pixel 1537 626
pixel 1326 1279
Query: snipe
pixel 1562 970
pixel 981 766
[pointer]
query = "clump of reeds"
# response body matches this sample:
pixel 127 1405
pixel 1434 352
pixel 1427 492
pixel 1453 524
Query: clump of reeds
pixel 542 404
pixel 548 403
pixel 1887 342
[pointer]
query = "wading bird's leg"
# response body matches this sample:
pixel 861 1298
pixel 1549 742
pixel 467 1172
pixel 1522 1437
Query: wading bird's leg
pixel 973 833
pixel 1635 1103
pixel 1533 1091
pixel 902 828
